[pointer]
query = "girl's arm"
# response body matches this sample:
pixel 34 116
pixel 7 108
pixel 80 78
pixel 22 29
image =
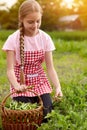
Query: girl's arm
pixel 10 71
pixel 52 73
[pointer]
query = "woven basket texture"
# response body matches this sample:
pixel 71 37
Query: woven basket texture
pixel 21 119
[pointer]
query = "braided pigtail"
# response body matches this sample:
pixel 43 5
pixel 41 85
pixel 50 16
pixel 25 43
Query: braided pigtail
pixel 22 77
pixel 28 6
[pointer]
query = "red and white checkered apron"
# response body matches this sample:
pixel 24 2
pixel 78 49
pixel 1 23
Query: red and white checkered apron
pixel 34 74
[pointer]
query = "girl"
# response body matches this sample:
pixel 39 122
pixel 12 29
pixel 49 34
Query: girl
pixel 27 48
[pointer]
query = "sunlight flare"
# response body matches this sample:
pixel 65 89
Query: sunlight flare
pixel 67 3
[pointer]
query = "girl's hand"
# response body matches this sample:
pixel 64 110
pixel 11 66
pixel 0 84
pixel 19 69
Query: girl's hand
pixel 21 87
pixel 58 94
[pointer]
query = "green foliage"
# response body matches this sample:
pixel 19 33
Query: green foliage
pixel 4 34
pixel 74 35
pixel 72 47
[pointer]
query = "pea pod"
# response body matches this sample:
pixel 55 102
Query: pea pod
pixel 14 105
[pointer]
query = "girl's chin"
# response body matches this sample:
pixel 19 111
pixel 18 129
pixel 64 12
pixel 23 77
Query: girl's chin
pixel 31 32
pixel 34 32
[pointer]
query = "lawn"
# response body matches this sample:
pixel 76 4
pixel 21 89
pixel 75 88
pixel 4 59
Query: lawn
pixel 70 61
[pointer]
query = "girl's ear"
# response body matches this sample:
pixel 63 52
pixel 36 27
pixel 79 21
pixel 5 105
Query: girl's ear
pixel 20 19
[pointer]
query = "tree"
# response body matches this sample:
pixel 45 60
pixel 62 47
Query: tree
pixel 51 13
pixel 9 17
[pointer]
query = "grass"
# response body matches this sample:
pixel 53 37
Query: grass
pixel 73 35
pixel 71 65
pixel 70 62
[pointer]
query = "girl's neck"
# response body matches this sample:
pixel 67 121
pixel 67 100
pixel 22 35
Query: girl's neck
pixel 31 34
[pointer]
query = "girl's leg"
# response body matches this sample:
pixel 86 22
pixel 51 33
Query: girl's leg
pixel 47 103
pixel 25 99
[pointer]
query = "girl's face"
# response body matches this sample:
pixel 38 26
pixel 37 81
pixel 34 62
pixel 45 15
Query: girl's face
pixel 32 23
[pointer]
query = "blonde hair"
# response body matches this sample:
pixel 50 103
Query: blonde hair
pixel 28 6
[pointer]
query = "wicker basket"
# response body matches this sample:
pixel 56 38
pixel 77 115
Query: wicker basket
pixel 21 119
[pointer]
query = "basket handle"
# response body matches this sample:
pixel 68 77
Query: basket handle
pixel 4 100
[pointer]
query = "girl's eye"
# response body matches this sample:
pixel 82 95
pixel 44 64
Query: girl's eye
pixel 38 21
pixel 30 22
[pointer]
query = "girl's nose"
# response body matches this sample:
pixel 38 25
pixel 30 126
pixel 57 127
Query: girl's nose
pixel 35 24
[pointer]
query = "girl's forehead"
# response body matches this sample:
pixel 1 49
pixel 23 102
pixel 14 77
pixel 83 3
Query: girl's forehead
pixel 33 15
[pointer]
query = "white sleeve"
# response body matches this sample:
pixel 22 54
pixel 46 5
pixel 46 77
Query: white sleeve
pixel 49 45
pixel 9 44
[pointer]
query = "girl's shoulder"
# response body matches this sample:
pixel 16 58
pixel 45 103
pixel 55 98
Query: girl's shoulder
pixel 12 41
pixel 44 34
pixel 15 34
